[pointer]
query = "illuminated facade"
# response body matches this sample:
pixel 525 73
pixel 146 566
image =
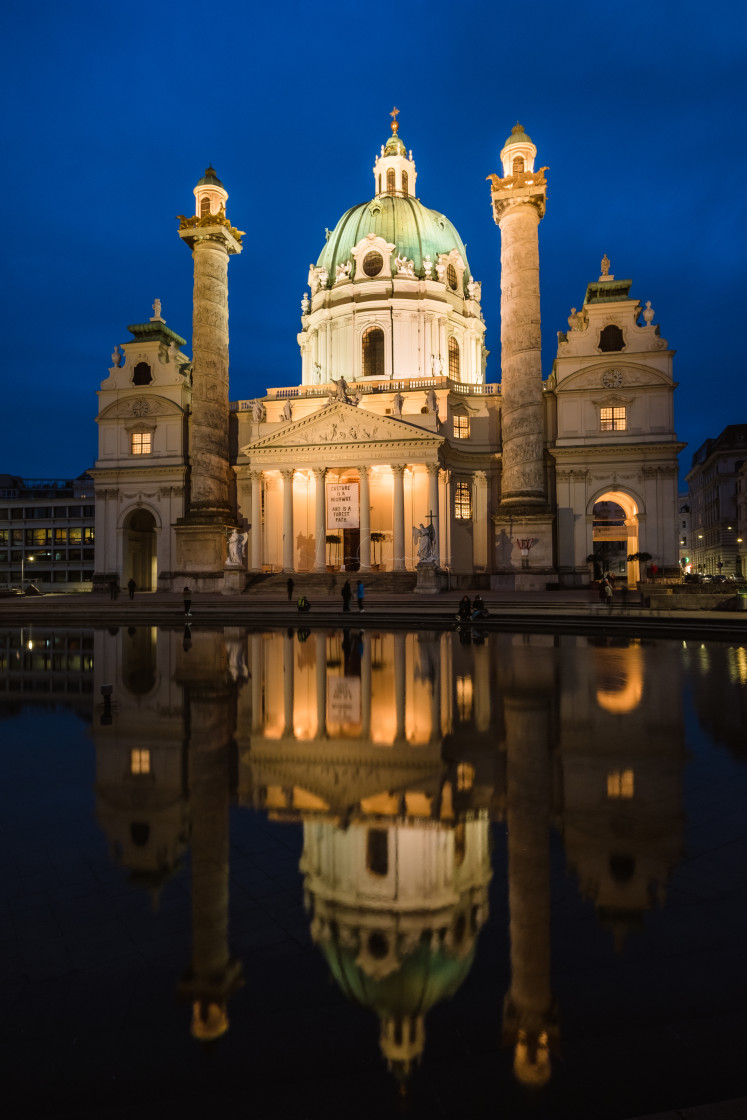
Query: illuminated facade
pixel 393 452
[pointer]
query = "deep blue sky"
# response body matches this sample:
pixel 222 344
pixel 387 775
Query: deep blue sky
pixel 113 110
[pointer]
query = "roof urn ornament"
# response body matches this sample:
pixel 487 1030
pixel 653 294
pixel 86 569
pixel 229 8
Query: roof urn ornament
pixel 648 314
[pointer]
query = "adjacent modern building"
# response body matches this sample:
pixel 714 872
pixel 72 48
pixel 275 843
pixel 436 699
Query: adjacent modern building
pixel 716 536
pixel 395 450
pixel 47 532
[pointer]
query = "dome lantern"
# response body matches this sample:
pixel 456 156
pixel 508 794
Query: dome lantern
pixel 210 194
pixel 394 170
pixel 518 152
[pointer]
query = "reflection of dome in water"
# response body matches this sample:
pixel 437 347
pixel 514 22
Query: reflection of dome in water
pixel 396 912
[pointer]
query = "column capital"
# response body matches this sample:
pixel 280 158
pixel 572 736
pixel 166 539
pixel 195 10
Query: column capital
pixel 288 473
pixel 446 477
pixel 433 468
pixel 256 476
pixel 398 471
pixel 364 470
pixel 319 473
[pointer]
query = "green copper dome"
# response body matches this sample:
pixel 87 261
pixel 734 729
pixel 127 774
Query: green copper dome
pixel 210 179
pixel 416 231
pixel 518 136
pixel 424 979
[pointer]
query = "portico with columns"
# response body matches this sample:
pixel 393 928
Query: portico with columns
pixel 343 473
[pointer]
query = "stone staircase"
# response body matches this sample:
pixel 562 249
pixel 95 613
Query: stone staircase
pixel 317 584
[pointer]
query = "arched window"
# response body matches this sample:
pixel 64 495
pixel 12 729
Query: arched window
pixel 454 363
pixel 518 165
pixel 611 338
pixel 373 352
pixel 142 374
pixel 390 183
pixel 451 277
pixel 204 206
pixel 404 182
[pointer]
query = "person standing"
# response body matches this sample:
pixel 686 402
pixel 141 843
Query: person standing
pixel 360 592
pixel 290 588
pixel 113 588
pixel 187 593
pixel 131 585
pixel 347 594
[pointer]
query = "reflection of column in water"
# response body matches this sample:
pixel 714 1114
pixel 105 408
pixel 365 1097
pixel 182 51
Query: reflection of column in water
pixel 213 975
pixel 257 671
pixel 320 641
pixel 435 653
pixel 366 688
pixel 400 684
pixel 289 659
pixel 529 1018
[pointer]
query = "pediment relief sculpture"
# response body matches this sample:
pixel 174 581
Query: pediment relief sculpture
pixel 340 423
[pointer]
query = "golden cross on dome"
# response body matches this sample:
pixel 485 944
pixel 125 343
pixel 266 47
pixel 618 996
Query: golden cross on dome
pixel 395 122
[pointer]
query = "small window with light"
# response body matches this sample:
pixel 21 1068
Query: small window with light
pixel 141 443
pixel 140 761
pixel 461 427
pixel 620 784
pixel 614 419
pixel 462 502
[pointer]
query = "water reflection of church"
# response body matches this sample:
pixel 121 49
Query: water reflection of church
pixel 397 753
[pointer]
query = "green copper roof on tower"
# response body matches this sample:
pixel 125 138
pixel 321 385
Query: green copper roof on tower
pixel 518 136
pixel 210 179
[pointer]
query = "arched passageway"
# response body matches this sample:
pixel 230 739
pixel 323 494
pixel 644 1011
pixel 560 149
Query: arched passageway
pixel 140 549
pixel 615 534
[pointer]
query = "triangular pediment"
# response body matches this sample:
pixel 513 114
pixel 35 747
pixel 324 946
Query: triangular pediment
pixel 341 425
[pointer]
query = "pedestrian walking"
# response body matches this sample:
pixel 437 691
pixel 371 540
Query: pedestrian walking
pixel 347 594
pixel 131 585
pixel 360 592
pixel 290 588
pixel 187 593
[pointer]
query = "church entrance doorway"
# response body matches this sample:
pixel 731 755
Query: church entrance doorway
pixel 351 543
pixel 140 549
pixel 615 535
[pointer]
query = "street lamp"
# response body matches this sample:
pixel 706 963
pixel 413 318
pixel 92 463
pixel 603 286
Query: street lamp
pixel 30 560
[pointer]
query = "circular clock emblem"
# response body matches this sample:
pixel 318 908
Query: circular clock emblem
pixel 612 379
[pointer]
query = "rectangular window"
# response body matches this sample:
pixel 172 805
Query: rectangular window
pixel 620 784
pixel 60 536
pixel 462 501
pixel 461 427
pixel 614 419
pixel 141 443
pixel 75 535
pixel 140 761
pixel 88 535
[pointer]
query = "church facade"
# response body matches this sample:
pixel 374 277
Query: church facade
pixel 393 452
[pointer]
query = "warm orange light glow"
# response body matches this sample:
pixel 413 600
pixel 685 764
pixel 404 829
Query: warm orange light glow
pixel 620 676
pixel 140 761
pixel 620 784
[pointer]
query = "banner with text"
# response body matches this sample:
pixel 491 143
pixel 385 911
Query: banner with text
pixel 343 700
pixel 343 507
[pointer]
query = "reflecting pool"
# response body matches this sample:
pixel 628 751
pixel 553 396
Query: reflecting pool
pixel 332 873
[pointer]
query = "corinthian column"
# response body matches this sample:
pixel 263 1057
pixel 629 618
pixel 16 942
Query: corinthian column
pixel 288 521
pixel 320 526
pixel 398 516
pixel 364 552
